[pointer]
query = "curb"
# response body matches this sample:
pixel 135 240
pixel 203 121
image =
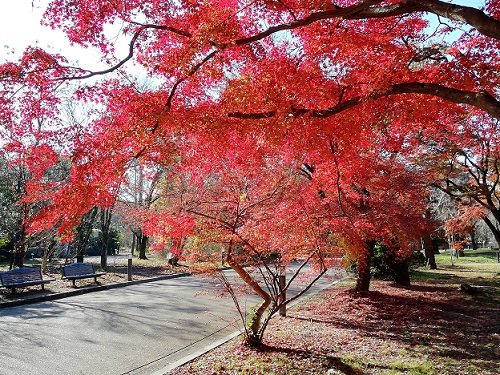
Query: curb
pixel 191 357
pixel 56 296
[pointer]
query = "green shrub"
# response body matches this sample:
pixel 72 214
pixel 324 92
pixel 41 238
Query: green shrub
pixel 115 239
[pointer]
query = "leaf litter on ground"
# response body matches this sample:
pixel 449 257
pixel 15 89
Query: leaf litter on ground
pixel 427 328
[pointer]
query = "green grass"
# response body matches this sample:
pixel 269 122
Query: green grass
pixel 412 368
pixel 476 267
pixel 431 275
pixel 483 256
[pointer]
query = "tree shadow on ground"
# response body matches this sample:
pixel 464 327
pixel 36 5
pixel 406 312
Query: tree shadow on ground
pixel 329 362
pixel 449 323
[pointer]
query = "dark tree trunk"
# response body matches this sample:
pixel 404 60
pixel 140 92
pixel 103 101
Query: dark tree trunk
pixel 83 233
pixel 21 252
pixel 142 244
pixel 19 247
pixel 105 224
pixel 473 239
pixel 174 260
pixel 430 260
pixel 401 272
pixel 493 229
pixel 134 243
pixel 364 262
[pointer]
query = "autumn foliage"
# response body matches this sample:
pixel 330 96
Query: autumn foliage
pixel 295 125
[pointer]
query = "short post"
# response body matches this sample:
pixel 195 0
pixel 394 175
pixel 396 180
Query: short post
pixel 282 285
pixel 129 267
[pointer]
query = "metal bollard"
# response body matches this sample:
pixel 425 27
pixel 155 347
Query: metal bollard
pixel 129 267
pixel 282 284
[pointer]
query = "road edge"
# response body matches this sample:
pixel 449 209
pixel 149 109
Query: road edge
pixel 190 357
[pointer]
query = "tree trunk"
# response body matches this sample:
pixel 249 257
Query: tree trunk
pixel 174 260
pixel 364 262
pixel 83 233
pixel 20 247
pixel 493 229
pixel 473 239
pixel 142 243
pixel 430 260
pixel 401 272
pixel 253 330
pixel 134 243
pixel 105 224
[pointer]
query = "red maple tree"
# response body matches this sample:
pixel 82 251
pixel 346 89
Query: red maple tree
pixel 343 89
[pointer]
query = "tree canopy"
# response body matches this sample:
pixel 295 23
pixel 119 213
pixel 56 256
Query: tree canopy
pixel 350 92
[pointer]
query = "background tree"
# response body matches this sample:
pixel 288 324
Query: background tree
pixel 137 196
pixel 9 210
pixel 83 232
pixel 22 195
pixel 469 173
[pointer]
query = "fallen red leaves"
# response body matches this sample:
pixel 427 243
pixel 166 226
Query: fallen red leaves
pixel 423 329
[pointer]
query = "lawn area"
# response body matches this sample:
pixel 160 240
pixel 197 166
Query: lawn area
pixel 431 328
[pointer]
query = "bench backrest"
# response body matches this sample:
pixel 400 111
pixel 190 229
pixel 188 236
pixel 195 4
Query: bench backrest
pixel 21 275
pixel 77 269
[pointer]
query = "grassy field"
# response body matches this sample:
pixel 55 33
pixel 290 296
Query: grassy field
pixel 477 267
pixel 431 328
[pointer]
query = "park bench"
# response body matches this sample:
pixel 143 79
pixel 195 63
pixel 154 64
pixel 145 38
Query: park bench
pixel 24 276
pixel 77 271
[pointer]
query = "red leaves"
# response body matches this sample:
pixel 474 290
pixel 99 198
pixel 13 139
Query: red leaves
pixel 290 74
pixel 41 158
pixel 83 21
pixel 164 227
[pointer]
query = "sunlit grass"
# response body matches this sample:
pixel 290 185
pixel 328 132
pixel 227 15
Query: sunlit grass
pixel 476 266
pixel 483 256
pixel 411 367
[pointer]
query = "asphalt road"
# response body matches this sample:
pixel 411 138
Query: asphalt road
pixel 138 329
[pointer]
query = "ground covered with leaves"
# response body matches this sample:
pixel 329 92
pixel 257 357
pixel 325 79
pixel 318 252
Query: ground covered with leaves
pixel 429 328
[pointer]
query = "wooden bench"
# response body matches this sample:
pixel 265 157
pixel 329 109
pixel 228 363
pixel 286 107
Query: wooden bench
pixel 24 276
pixel 77 271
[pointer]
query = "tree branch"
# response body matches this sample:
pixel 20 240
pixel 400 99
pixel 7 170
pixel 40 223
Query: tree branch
pixel 481 99
pixel 476 18
pixel 338 12
pixel 132 43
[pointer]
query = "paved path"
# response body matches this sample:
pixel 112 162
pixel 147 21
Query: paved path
pixel 138 329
